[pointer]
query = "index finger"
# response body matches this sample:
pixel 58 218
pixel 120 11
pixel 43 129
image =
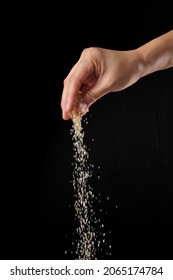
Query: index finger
pixel 73 84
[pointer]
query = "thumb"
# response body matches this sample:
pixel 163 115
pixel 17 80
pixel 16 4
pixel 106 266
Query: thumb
pixel 89 97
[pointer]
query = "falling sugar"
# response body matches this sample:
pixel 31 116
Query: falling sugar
pixel 84 214
pixel 89 239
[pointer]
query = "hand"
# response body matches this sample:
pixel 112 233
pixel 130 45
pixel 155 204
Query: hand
pixel 98 72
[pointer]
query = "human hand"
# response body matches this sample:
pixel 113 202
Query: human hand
pixel 98 72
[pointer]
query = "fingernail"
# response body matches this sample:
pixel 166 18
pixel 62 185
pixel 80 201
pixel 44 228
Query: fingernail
pixel 83 108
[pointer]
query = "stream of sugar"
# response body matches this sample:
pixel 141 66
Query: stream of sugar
pixel 90 231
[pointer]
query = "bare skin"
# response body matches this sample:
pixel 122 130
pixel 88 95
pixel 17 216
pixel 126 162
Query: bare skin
pixel 100 71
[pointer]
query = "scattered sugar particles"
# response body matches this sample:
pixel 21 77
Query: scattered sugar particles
pixel 90 237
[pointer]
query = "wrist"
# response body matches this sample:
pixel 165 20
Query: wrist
pixel 155 55
pixel 141 63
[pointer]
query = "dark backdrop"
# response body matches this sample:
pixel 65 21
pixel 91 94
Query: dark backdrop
pixel 132 132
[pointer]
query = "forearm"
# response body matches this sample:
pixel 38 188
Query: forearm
pixel 156 55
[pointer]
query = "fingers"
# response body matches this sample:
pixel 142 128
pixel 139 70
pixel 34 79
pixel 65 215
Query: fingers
pixel 73 83
pixel 88 76
pixel 90 94
pixel 86 101
pixel 93 94
pixel 64 98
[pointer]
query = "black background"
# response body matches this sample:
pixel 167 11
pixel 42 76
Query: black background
pixel 132 132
